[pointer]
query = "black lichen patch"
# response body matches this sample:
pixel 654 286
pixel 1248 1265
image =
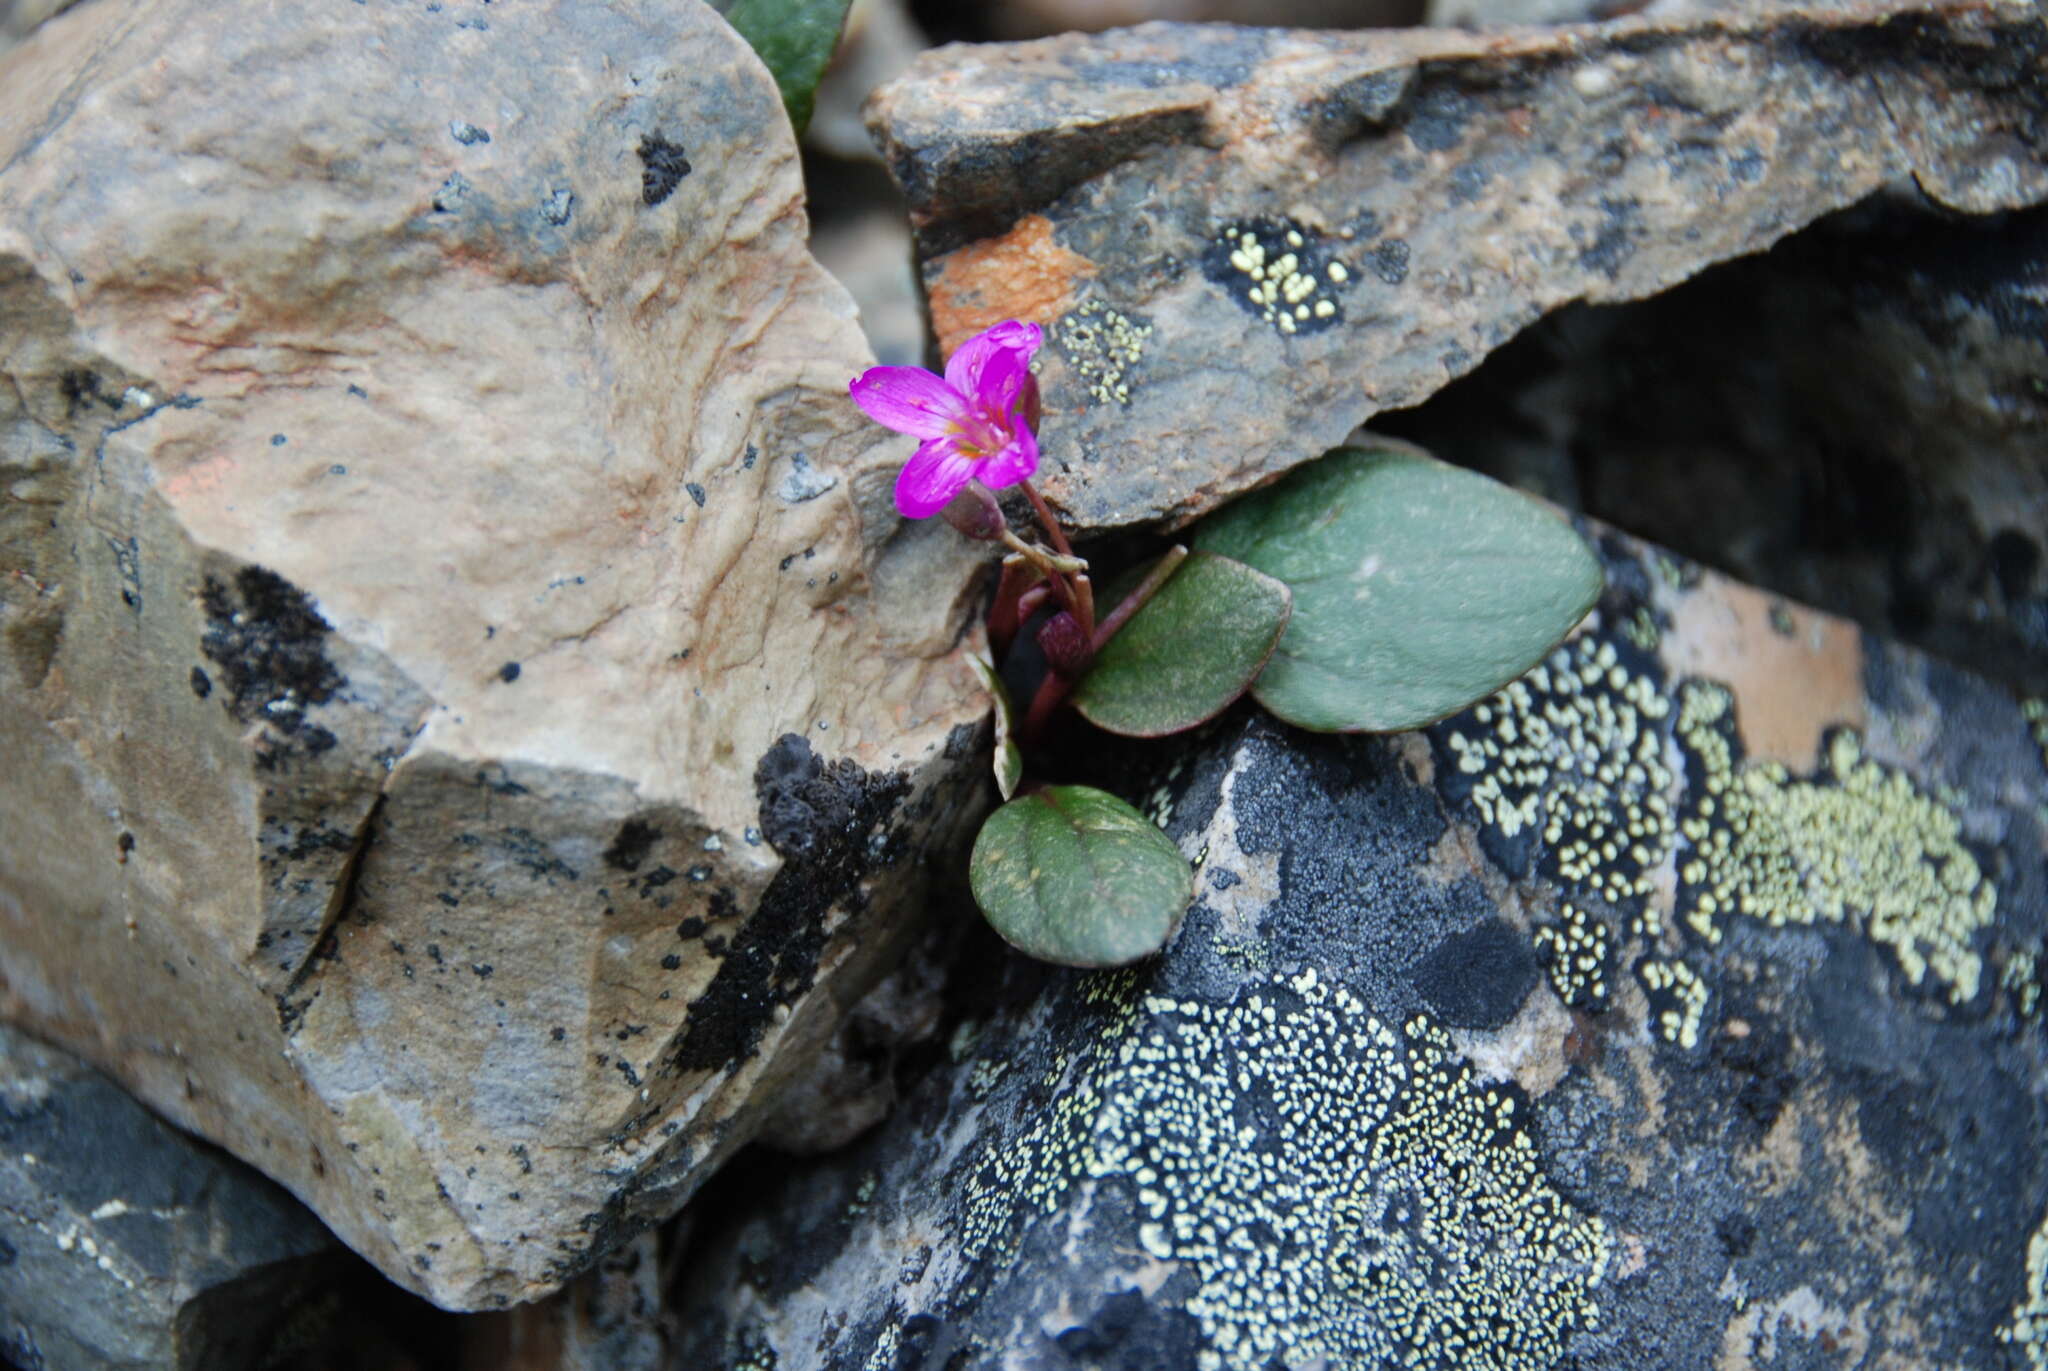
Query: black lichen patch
pixel 1435 118
pixel 823 820
pixel 202 684
pixel 270 645
pixel 1478 978
pixel 509 672
pixel 662 168
pixel 630 845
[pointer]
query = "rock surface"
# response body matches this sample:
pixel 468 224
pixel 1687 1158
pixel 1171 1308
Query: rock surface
pixel 1678 1006
pixel 126 1244
pixel 1243 243
pixel 613 1317
pixel 472 716
pixel 1855 419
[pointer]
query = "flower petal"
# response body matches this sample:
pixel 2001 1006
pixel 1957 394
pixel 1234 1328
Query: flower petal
pixel 932 477
pixel 910 400
pixel 1016 462
pixel 991 367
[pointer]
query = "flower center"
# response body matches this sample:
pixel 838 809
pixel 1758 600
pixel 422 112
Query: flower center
pixel 981 435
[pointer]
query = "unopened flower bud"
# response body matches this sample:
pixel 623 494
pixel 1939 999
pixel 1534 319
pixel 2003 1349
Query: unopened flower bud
pixel 1067 650
pixel 974 512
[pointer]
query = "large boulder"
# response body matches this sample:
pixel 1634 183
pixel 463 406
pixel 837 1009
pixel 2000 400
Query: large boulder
pixel 472 717
pixel 1679 1006
pixel 1245 242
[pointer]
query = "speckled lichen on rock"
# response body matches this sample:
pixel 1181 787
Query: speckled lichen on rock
pixel 1342 1189
pixel 1576 950
pixel 1104 346
pixel 1677 1000
pixel 2027 1330
pixel 1573 754
pixel 1280 271
pixel 1856 839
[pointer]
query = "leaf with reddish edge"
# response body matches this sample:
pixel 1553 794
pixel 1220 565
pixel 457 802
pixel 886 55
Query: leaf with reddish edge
pixel 1419 587
pixel 1193 648
pixel 1074 875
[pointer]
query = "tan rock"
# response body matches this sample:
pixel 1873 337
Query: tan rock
pixel 472 718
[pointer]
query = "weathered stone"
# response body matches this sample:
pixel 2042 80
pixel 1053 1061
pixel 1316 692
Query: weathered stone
pixel 1855 419
pixel 125 1243
pixel 1243 243
pixel 473 718
pixel 1775 1097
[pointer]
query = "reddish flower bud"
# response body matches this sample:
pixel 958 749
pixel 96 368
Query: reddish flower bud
pixel 1066 648
pixel 974 512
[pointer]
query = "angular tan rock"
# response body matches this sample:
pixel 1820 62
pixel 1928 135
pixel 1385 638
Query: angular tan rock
pixel 471 716
pixel 1246 242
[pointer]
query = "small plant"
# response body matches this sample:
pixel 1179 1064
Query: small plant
pixel 1375 590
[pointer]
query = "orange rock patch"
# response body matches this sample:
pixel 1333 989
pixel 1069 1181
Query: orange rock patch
pixel 1795 672
pixel 1022 274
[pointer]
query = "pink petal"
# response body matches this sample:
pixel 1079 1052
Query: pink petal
pixel 991 367
pixel 932 477
pixel 1016 462
pixel 910 400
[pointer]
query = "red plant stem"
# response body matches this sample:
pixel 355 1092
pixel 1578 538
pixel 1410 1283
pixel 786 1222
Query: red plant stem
pixel 1052 525
pixel 1052 693
pixel 1084 607
pixel 1031 600
pixel 1007 614
pixel 1135 601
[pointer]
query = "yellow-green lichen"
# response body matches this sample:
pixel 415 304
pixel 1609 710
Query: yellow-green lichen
pixel 1641 629
pixel 1104 346
pixel 2021 978
pixel 1273 270
pixel 2027 1330
pixel 1678 1000
pixel 2035 712
pixel 1573 751
pixel 1342 1190
pixel 1858 838
pixel 1575 950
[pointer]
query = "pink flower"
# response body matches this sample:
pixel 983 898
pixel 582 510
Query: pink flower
pixel 975 421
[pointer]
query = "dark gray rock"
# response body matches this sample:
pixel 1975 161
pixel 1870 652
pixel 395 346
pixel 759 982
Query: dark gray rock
pixel 125 1243
pixel 1775 1099
pixel 1245 242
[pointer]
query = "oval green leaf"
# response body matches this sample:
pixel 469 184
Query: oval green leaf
pixel 1076 876
pixel 1418 587
pixel 1195 646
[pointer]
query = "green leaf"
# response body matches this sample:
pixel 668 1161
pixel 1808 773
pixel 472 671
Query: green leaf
pixel 1009 759
pixel 795 38
pixel 1418 587
pixel 1076 876
pixel 1192 649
